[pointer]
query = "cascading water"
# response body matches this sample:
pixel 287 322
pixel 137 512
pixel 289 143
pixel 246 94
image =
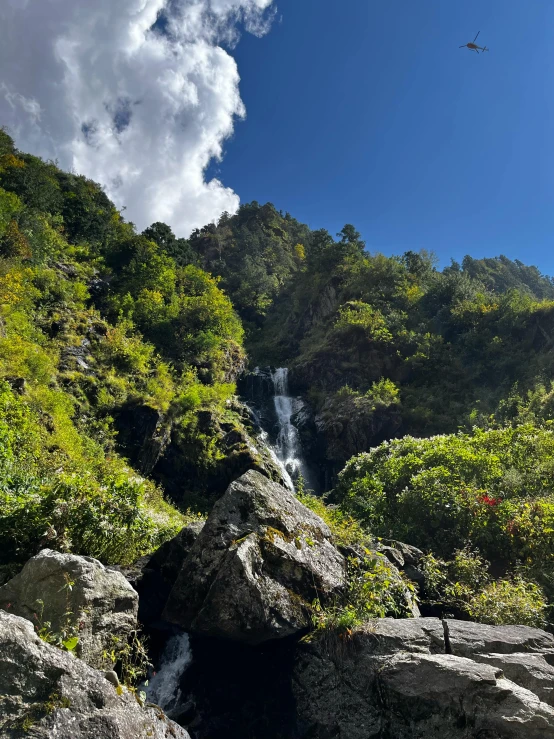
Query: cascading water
pixel 288 447
pixel 266 394
pixel 163 688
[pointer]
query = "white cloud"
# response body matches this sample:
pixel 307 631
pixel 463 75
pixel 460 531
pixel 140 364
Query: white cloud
pixel 142 111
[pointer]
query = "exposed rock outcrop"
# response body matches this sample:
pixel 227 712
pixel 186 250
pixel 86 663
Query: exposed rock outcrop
pixel 259 562
pixel 46 693
pixel 143 434
pixel 256 387
pixel 353 423
pixel 237 452
pixel 66 590
pixel 427 679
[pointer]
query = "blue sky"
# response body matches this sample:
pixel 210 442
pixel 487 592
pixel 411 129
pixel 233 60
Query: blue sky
pixel 366 111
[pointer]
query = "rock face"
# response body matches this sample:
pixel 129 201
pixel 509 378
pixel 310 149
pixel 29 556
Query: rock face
pixel 46 693
pixel 350 424
pixel 154 576
pixel 427 679
pixel 101 603
pixel 259 562
pixel 237 452
pixel 143 434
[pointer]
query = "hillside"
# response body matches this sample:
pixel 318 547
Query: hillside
pixel 111 351
pixel 119 354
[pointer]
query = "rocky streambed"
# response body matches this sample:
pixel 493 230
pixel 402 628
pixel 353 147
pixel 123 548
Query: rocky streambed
pixel 228 607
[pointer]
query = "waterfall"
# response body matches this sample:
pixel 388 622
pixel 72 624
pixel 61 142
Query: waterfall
pixel 288 447
pixel 266 394
pixel 163 688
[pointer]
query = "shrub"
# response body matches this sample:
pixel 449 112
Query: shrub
pixel 374 590
pixel 71 500
pixel 490 489
pixel 511 601
pixel 466 585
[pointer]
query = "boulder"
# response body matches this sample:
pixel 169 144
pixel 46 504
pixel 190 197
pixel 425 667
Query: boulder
pixel 466 639
pixel 260 561
pixel 46 693
pixel 532 671
pixel 153 576
pixel 450 697
pixel 77 594
pixel 398 679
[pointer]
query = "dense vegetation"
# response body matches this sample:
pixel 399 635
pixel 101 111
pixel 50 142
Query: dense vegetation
pixel 96 320
pixel 390 348
pixel 119 353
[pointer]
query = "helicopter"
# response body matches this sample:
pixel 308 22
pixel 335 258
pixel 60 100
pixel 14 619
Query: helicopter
pixel 472 46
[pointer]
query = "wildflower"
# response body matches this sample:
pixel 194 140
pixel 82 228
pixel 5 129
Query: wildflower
pixel 487 500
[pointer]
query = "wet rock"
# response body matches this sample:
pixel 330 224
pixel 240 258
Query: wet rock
pixel 259 562
pixel 256 386
pixel 65 590
pixel 46 693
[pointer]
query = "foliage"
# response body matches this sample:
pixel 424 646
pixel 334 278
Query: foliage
pixel 466 585
pixel 70 497
pixel 345 529
pixel 374 590
pixel 68 636
pixel 513 601
pixel 130 657
pixel 95 319
pixel 489 490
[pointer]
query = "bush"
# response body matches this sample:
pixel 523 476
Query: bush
pixel 513 601
pixel 375 590
pixel 345 529
pixel 464 585
pixel 489 489
pixel 71 499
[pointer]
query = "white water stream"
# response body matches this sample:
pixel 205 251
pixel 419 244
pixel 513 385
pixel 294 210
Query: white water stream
pixel 288 447
pixel 163 688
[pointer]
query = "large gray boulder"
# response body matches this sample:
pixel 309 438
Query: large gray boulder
pixel 65 590
pixel 46 693
pixel 402 679
pixel 533 671
pixel 260 561
pixel 466 639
